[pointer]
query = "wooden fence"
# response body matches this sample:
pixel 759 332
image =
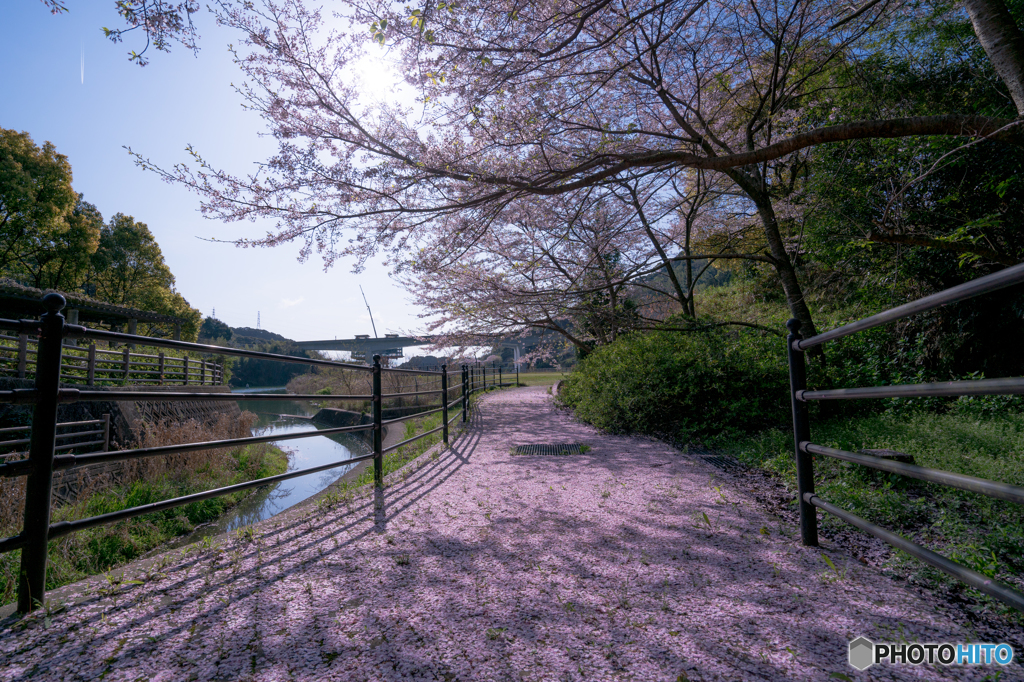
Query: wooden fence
pixel 15 439
pixel 92 366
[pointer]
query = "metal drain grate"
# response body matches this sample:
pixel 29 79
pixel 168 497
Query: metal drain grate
pixel 720 462
pixel 549 449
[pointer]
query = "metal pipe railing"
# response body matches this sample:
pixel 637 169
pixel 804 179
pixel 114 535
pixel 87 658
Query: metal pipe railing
pixel 804 449
pixel 412 440
pixel 43 461
pixel 80 332
pixel 1002 491
pixel 1008 386
pixel 64 527
pixel 74 395
pixel 980 582
pixel 412 393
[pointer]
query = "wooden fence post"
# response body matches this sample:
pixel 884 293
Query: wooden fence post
pixel 22 355
pixel 106 432
pixel 184 372
pixel 127 363
pixel 90 379
pixel 160 368
pixel 202 372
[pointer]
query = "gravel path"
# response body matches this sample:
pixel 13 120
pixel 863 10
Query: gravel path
pixel 625 563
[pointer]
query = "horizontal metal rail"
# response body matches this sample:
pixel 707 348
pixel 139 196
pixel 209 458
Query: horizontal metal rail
pixel 456 416
pixel 980 582
pixel 19 396
pixel 19 468
pixel 415 415
pixel 428 372
pixel 982 285
pixel 21 326
pixel 1014 385
pixel 73 395
pixel 406 395
pixel 413 439
pixel 455 402
pixel 74 331
pixel 1002 491
pixel 12 543
pixel 65 527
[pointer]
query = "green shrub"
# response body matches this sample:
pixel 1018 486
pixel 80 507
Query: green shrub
pixel 695 387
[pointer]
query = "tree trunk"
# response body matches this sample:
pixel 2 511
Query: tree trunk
pixel 777 248
pixel 1003 42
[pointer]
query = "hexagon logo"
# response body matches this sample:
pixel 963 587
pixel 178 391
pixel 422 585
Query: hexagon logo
pixel 862 653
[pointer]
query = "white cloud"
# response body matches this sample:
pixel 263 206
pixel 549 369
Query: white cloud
pixel 289 302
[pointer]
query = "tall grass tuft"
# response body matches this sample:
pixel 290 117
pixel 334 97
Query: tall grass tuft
pixel 139 482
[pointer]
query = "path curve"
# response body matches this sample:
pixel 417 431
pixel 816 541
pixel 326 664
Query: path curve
pixel 628 562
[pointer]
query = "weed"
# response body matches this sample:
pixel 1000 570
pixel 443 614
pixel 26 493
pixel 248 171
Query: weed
pixel 403 560
pixel 701 520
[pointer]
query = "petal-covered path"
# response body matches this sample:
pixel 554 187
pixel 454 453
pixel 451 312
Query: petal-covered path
pixel 627 562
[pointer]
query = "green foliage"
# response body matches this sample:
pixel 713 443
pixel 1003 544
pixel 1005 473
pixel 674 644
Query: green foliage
pixel 47 231
pixel 257 372
pixel 50 237
pixel 889 220
pixel 688 386
pixel 213 329
pixel 976 530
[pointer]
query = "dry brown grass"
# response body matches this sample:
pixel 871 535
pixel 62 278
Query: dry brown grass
pixel 185 464
pixel 181 466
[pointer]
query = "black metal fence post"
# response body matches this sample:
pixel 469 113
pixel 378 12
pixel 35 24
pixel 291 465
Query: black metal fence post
pixel 801 434
pixel 378 435
pixel 517 375
pixel 32 578
pixel 444 402
pixel 465 393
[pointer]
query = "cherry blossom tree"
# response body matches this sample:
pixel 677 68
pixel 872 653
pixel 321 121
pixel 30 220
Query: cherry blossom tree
pixel 544 100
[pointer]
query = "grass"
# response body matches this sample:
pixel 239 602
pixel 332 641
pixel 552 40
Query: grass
pixel 539 378
pixel 979 532
pixel 97 550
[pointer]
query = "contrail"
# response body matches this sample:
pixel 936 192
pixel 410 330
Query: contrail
pixel 83 62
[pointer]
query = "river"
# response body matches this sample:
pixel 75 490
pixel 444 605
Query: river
pixel 306 452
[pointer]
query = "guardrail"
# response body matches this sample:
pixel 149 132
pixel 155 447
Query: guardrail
pixel 94 366
pixel 804 449
pixel 43 460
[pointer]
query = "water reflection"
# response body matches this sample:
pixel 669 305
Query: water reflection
pixel 283 417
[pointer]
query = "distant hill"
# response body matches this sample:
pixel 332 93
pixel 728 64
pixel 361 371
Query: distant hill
pixel 248 336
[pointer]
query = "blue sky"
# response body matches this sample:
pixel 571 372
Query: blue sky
pixel 178 99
